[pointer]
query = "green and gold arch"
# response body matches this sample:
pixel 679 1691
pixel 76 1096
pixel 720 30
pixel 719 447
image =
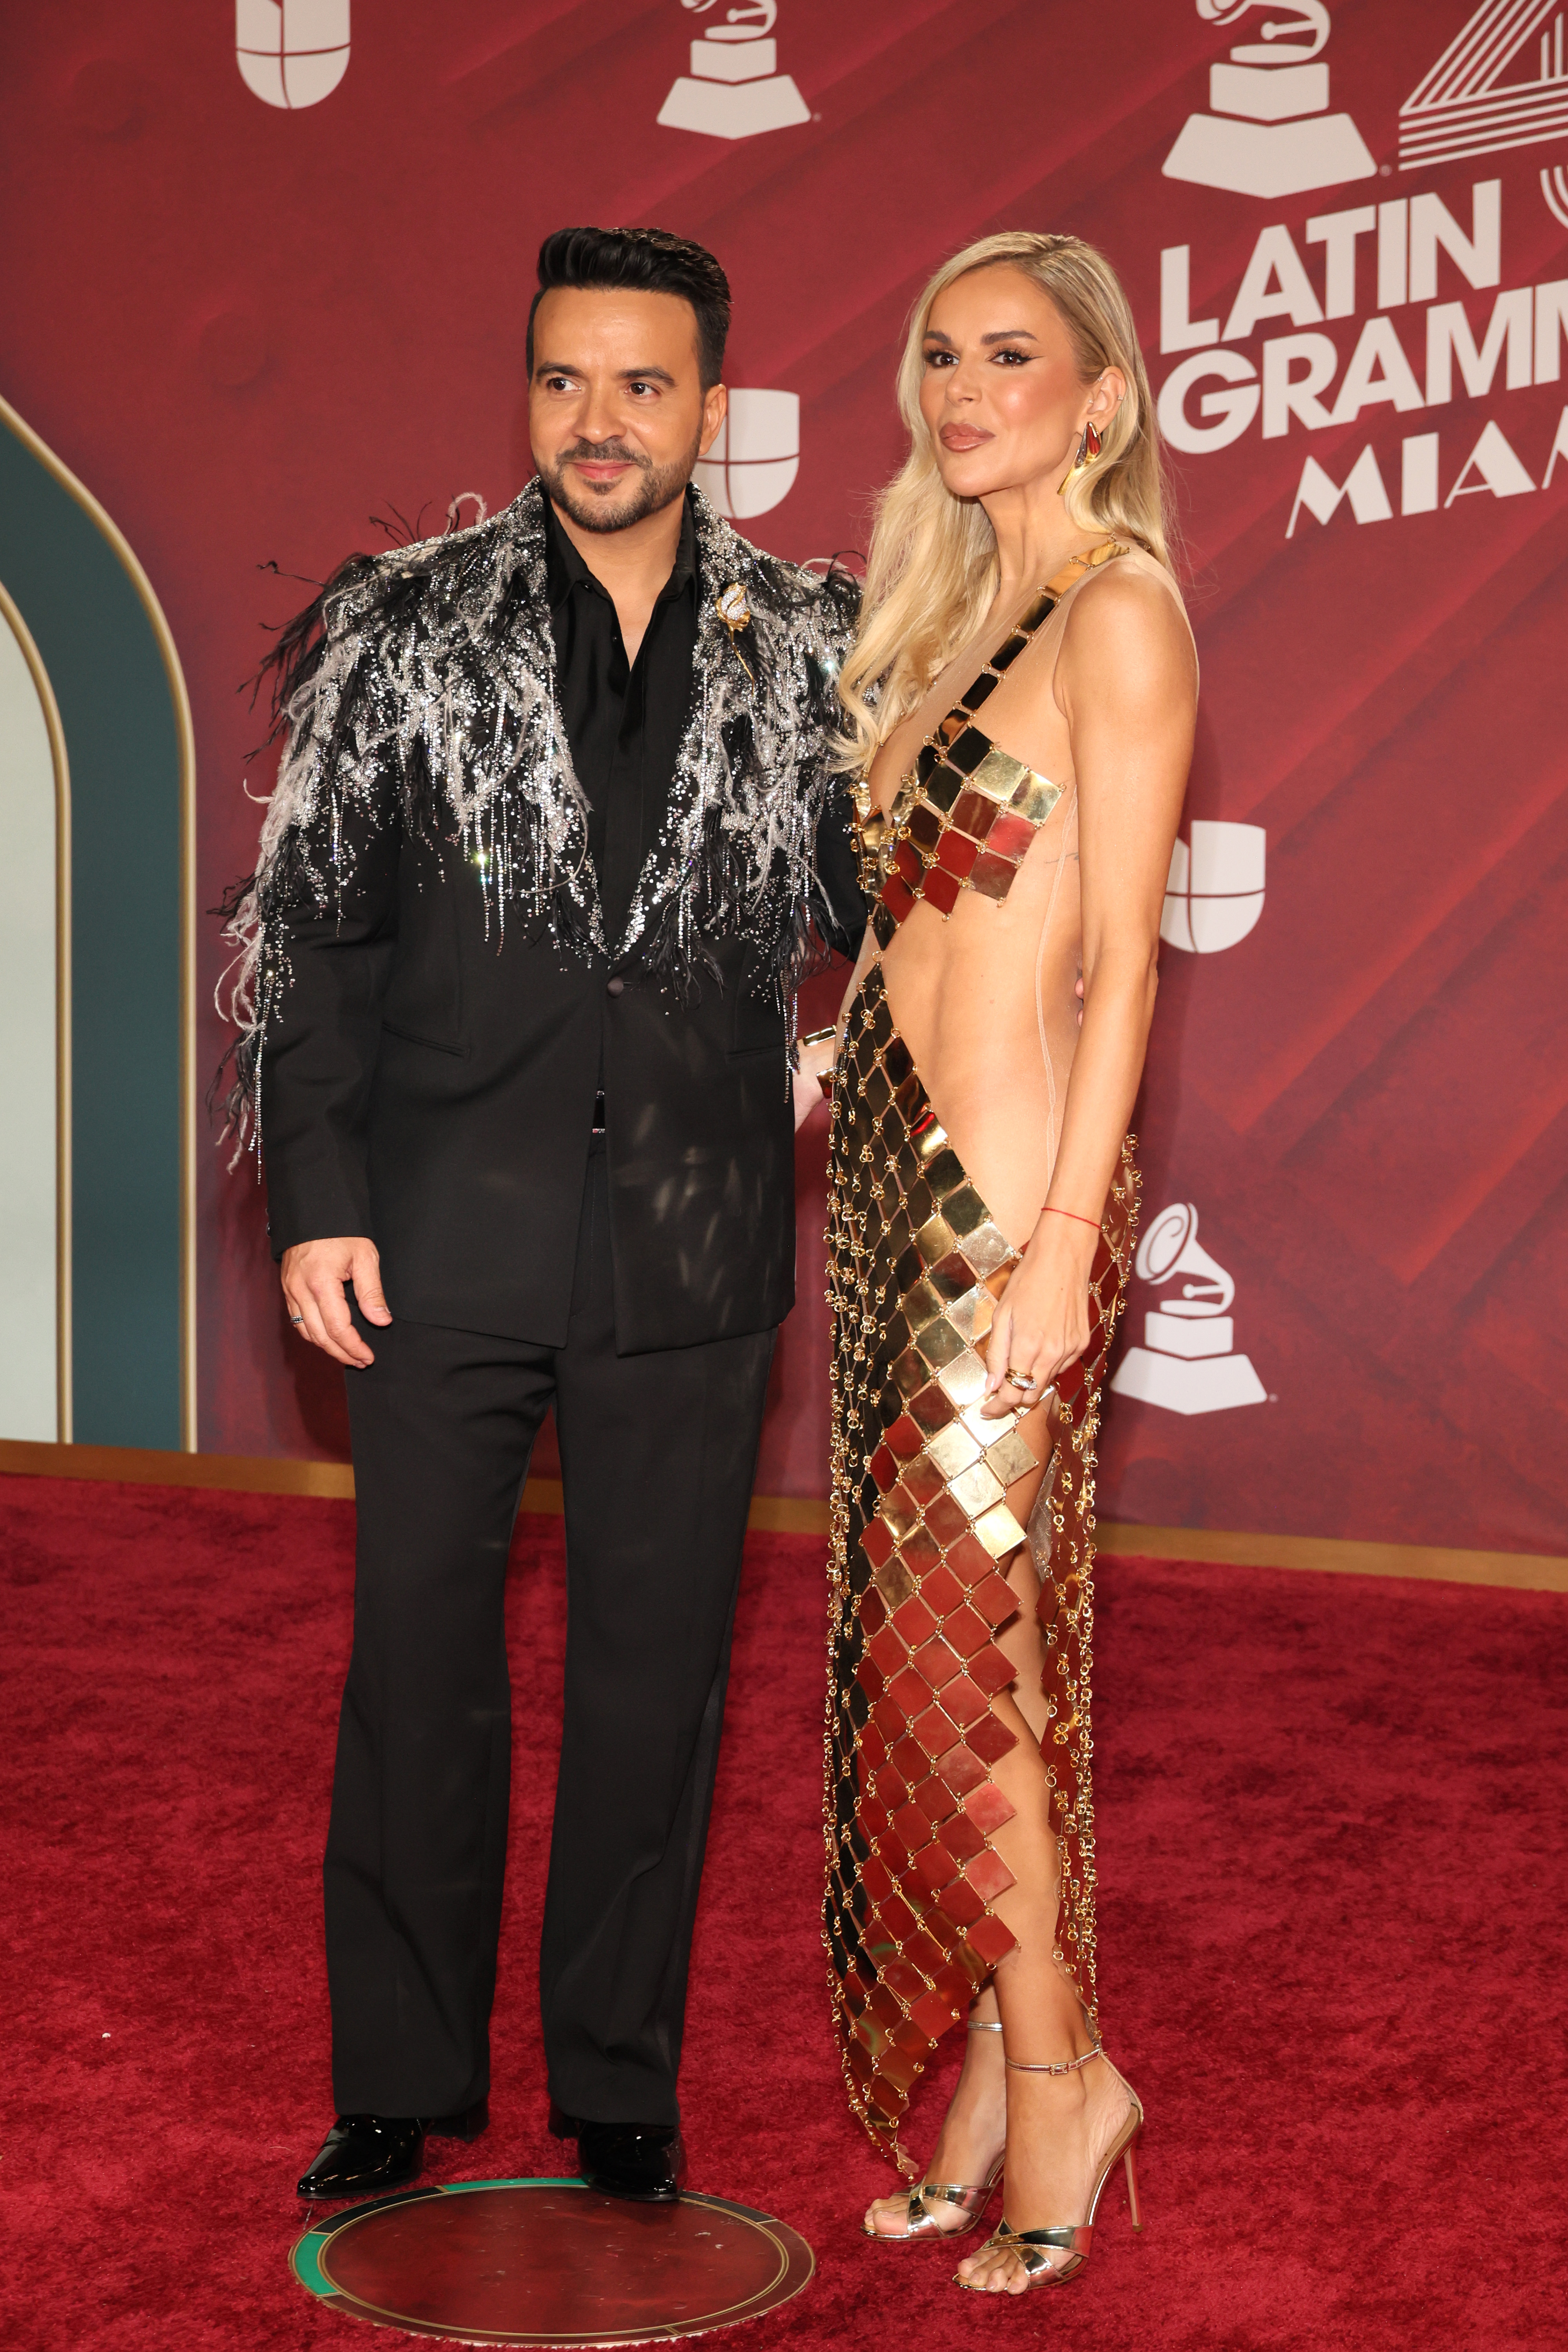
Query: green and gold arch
pixel 96 1096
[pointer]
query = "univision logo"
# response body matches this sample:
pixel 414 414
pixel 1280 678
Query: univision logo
pixel 1214 894
pixel 292 53
pixel 753 463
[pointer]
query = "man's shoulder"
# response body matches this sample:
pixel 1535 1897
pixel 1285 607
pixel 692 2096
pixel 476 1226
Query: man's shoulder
pixel 822 600
pixel 413 585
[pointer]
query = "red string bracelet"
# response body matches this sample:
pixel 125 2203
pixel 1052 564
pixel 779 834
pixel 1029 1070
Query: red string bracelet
pixel 1049 1211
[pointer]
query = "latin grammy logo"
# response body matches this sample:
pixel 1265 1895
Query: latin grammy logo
pixel 734 88
pixel 1269 132
pixel 1187 1362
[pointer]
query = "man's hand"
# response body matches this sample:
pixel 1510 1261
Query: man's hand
pixel 313 1274
pixel 816 1062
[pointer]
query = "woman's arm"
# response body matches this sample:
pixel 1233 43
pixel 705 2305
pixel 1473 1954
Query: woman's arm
pixel 1127 684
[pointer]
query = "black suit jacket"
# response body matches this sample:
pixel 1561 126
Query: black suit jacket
pixel 431 1017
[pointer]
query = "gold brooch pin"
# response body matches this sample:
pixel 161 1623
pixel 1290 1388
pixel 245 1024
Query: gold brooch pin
pixel 734 610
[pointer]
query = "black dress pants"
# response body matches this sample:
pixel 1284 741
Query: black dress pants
pixel 658 1453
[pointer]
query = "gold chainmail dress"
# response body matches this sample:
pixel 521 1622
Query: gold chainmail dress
pixel 922 1532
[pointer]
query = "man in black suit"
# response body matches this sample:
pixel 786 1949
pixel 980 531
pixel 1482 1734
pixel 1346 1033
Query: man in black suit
pixel 554 829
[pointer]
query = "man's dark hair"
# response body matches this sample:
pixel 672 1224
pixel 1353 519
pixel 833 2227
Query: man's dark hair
pixel 644 261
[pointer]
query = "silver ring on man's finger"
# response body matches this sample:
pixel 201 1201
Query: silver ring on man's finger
pixel 296 1318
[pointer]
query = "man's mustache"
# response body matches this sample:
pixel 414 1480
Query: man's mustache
pixel 604 453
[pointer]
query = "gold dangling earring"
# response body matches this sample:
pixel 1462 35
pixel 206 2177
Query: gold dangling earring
pixel 1089 449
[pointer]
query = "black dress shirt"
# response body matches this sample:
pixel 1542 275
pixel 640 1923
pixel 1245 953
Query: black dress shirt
pixel 624 721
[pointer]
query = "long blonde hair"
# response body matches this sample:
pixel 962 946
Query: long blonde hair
pixel 932 571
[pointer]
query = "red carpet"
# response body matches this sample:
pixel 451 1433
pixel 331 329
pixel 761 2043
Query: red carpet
pixel 1332 1928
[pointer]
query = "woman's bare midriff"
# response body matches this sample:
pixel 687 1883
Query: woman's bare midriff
pixel 986 997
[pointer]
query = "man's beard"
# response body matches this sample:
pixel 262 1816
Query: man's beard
pixel 655 488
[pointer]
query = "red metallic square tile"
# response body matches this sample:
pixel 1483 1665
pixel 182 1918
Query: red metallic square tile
pixel 1010 836
pixel 895 1853
pixel 935 1732
pixel 942 889
pixel 887 1651
pixel 985 1806
pixel 942 1591
pixel 968 1560
pixel 873 1746
pixel 920 1552
pixel 923 1481
pixel 962 1839
pixel 908 2037
pixel 910 1760
pixel 877 1543
pixel 860 2061
pixel 995 1600
pixel 924 826
pixel 883 1469
pixel 904 1439
pixel 936 1866
pixel 890 1789
pixel 912 1825
pixel 868 1673
pixel 933 1797
pixel 912 1693
pixel 908 864
pixel 900 2070
pixel 874 1818
pixel 961 1903
pixel 973 813
pixel 872 1612
pixel 889 1720
pixel 903 1980
pixel 965 1631
pixel 884 2009
pixel 926 1953
pixel 992 1672
pixel 947 1520
pixel 876 1878
pixel 935 2014
pixel 962 1701
pixel 963 1770
pixel 990 1940
pixel 990 1738
pixel 954 851
pixel 913 1621
pixel 932 1408
pixel 988 1875
pixel 901 1921
pixel 897 897
pixel 938 1664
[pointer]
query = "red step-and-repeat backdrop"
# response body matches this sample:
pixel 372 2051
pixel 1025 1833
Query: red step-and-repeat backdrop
pixel 267 270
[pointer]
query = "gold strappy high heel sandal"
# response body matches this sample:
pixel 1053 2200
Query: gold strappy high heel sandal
pixel 1071 2238
pixel 921 2224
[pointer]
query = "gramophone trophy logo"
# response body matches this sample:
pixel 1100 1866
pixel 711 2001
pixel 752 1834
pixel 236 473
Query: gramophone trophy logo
pixel 734 88
pixel 1186 1363
pixel 1269 132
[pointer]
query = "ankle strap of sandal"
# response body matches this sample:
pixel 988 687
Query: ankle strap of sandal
pixel 1064 2067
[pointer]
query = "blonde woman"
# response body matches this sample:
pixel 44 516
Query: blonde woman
pixel 1019 703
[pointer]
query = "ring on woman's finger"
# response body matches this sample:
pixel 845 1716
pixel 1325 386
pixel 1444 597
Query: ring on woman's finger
pixel 1022 1379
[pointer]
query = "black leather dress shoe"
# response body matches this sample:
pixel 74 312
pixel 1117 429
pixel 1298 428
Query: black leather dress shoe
pixel 364 2155
pixel 646 2161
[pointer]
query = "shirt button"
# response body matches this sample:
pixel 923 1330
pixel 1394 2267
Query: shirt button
pixel 615 987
